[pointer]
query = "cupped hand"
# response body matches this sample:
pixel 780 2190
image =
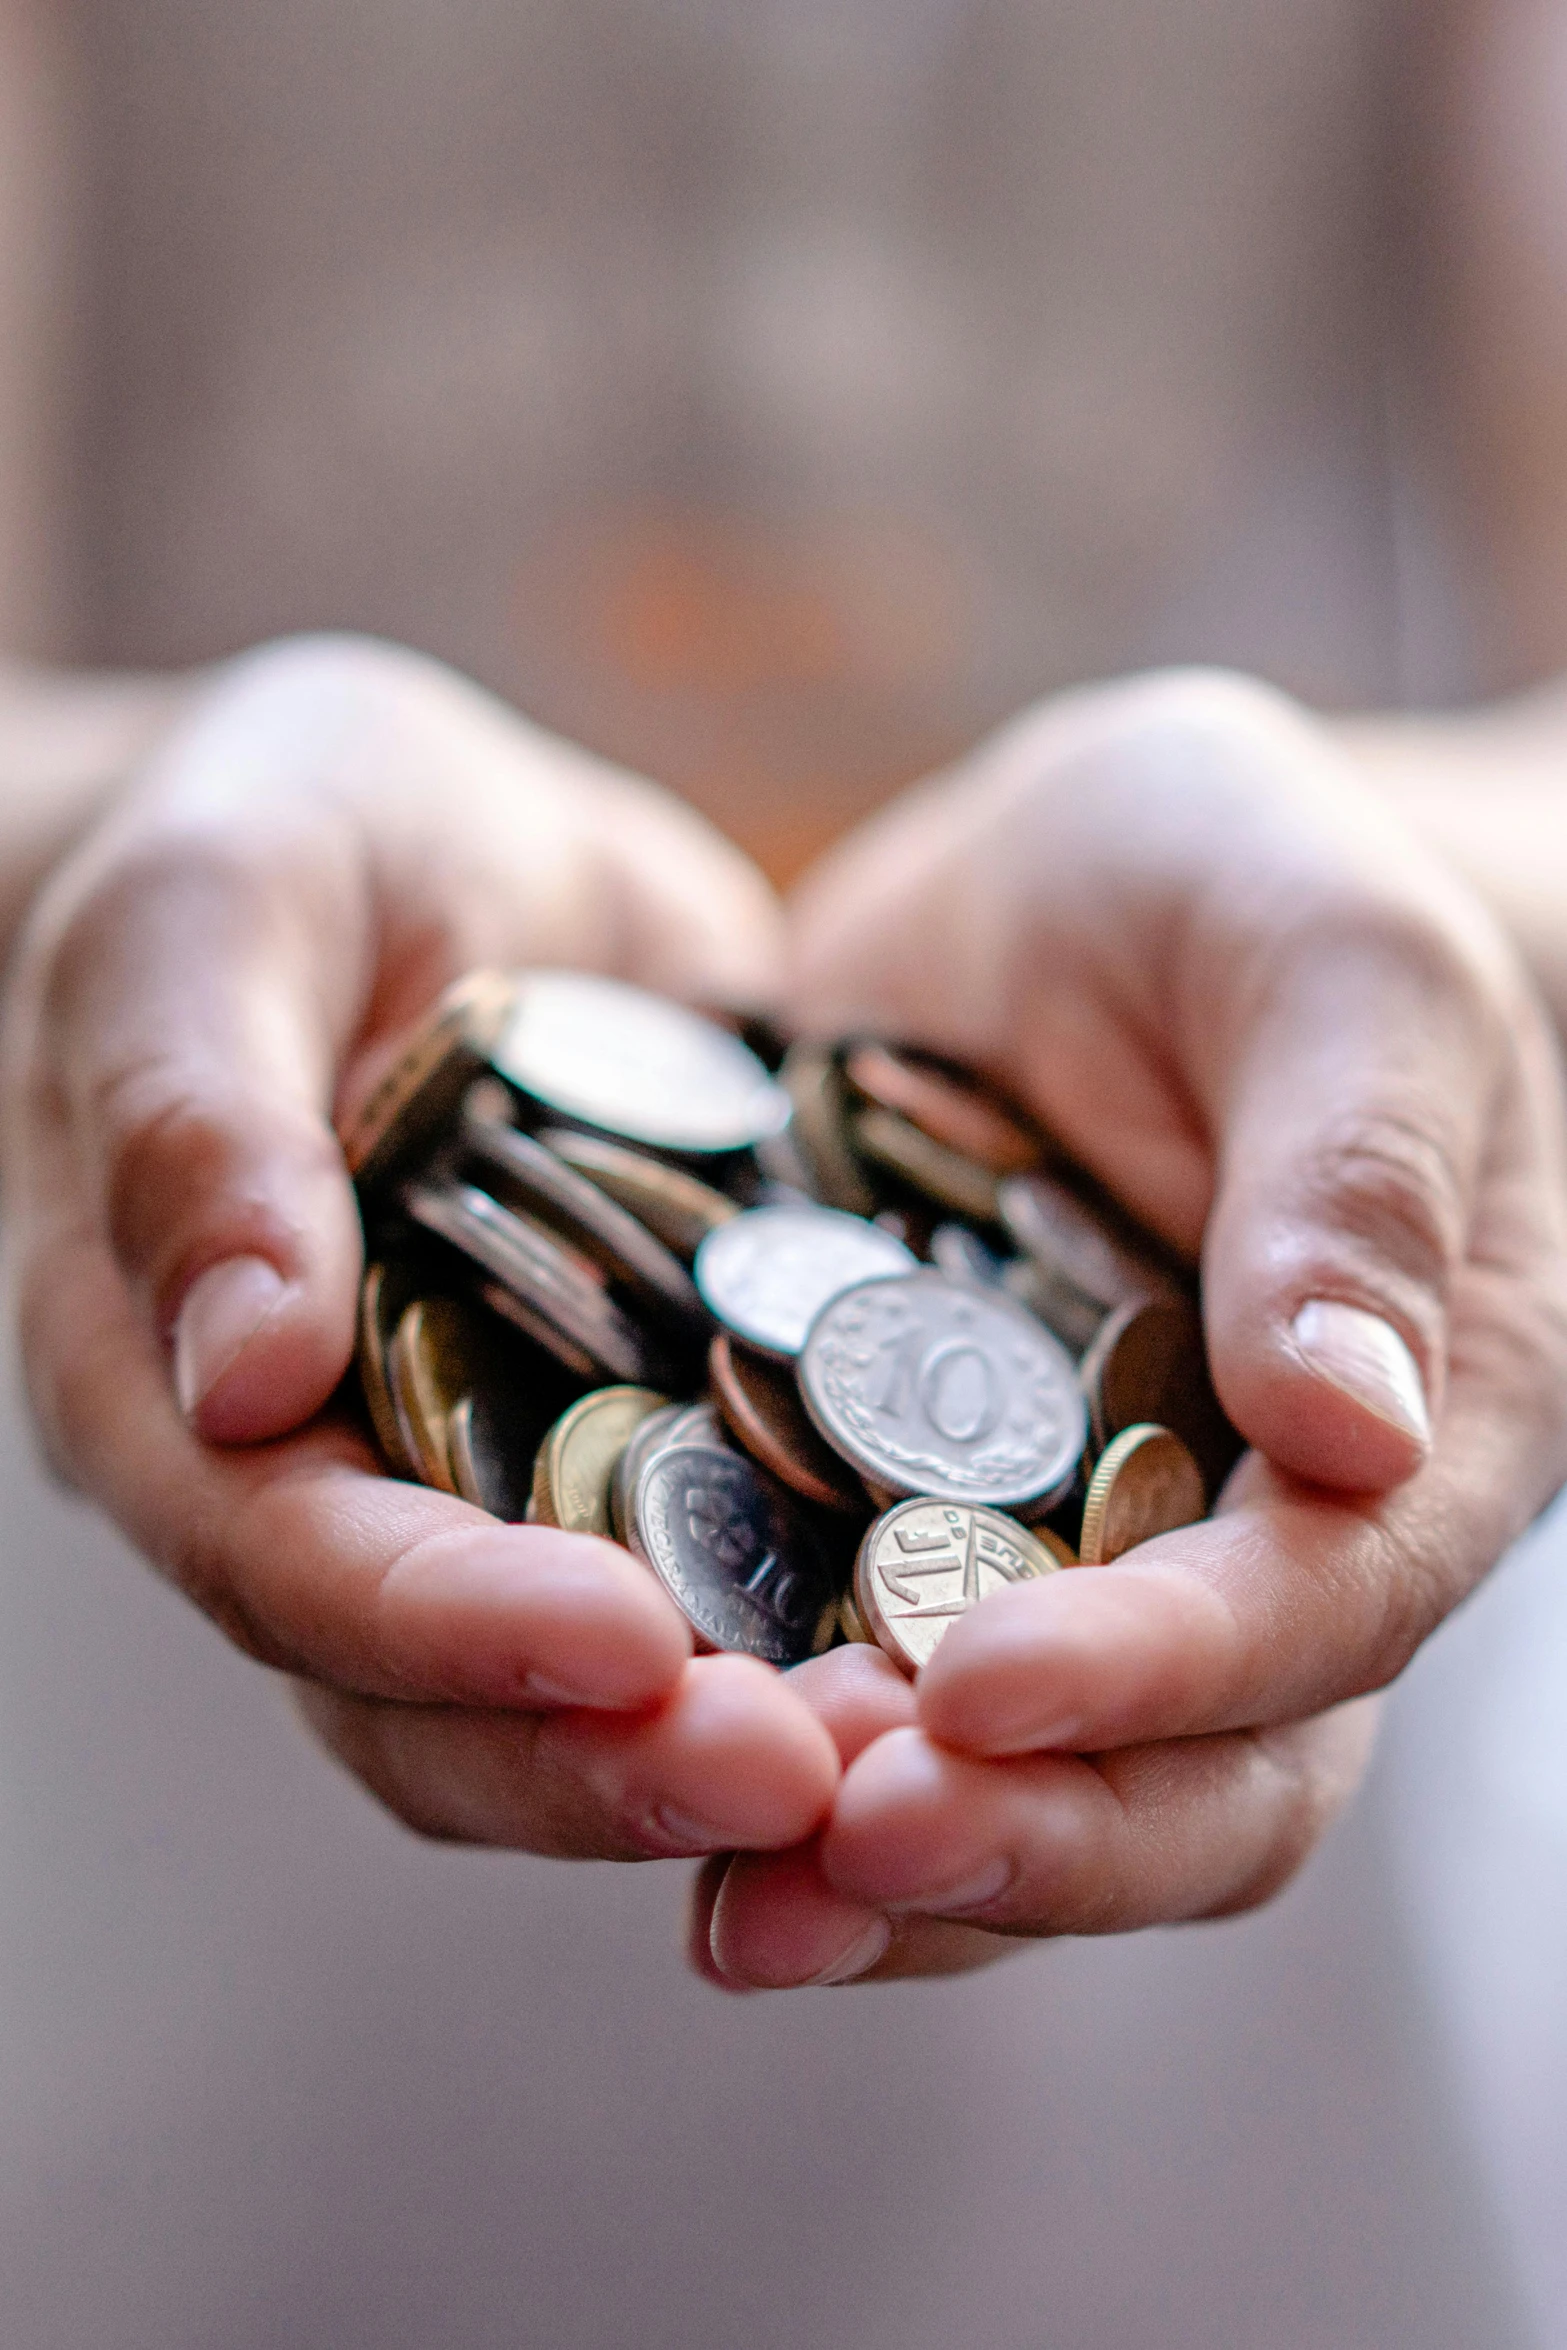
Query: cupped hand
pixel 1170 919
pixel 333 832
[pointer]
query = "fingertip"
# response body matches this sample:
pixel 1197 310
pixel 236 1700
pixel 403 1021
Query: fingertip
pixel 777 1925
pixel 255 1354
pixel 531 1616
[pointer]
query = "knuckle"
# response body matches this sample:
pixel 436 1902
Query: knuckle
pixel 1388 1182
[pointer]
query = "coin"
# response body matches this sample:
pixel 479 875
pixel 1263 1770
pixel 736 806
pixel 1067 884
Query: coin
pixel 761 1404
pixel 1149 1364
pixel 963 1257
pixel 677 1208
pixel 736 1551
pixel 677 1423
pixel 767 1274
pixel 631 1064
pixel 850 1623
pixel 385 1294
pixel 932 1389
pixel 928 1562
pixel 420 1092
pixel 814 1084
pixel 522 1166
pixel 1086 1261
pixel 491 1465
pixel 1145 1483
pixel 948 1104
pixel 941 1174
pixel 550 1291
pixel 427 1366
pixel 576 1461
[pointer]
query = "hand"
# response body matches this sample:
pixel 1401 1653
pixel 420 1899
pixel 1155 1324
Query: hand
pixel 334 832
pixel 1224 977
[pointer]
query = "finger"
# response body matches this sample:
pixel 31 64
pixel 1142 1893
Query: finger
pixel 856 1693
pixel 1291 1598
pixel 315 1561
pixel 1056 1844
pixel 774 1923
pixel 729 1761
pixel 1375 1092
pixel 294 850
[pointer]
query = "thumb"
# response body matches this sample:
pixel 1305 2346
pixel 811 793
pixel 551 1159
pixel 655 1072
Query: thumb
pixel 1360 1109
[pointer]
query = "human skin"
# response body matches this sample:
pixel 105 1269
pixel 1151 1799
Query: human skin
pixel 1175 920
pixel 155 1124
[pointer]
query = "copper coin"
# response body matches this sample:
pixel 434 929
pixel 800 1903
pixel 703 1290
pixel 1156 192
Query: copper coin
pixel 948 1105
pixel 677 1208
pixel 850 1624
pixel 738 1553
pixel 935 1170
pixel 928 1562
pixel 1149 1363
pixel 1144 1483
pixel 419 1095
pixel 761 1403
pixel 575 1467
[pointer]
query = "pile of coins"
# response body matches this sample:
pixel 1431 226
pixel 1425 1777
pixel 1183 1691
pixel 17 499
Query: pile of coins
pixel 830 1336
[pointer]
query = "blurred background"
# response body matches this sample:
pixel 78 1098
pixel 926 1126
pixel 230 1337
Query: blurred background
pixel 773 397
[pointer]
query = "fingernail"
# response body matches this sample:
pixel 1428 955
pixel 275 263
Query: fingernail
pixel 1364 1357
pixel 538 1690
pixel 223 1310
pixel 864 1952
pixel 975 1892
pixel 686 1838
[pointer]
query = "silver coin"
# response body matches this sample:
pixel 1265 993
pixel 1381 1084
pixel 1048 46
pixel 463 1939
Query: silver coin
pixel 932 1389
pixel 736 1552
pixel 594 1222
pixel 545 1288
pixel 676 1423
pixel 630 1064
pixel 766 1275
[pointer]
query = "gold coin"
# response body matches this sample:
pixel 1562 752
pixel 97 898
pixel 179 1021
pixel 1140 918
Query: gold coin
pixel 828 1629
pixel 850 1625
pixel 381 1305
pixel 928 1562
pixel 676 1207
pixel 1146 1483
pixel 576 1462
pixel 427 1366
pixel 420 1092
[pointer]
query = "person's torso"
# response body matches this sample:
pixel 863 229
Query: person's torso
pixel 773 396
